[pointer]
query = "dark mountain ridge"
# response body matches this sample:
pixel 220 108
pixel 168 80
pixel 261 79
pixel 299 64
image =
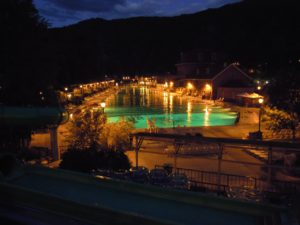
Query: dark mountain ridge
pixel 252 32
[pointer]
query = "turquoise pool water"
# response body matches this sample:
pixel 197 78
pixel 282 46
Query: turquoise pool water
pixel 165 110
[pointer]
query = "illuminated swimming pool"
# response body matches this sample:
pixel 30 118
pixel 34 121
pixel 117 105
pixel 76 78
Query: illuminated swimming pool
pixel 164 110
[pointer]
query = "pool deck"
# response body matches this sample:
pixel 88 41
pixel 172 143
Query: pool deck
pixel 127 203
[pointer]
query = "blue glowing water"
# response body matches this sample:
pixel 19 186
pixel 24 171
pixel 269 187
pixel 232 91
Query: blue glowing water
pixel 166 110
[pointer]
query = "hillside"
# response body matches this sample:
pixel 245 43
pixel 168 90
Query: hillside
pixel 253 32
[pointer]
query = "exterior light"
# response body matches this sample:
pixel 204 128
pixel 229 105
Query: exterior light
pixel 166 84
pixel 171 84
pixel 69 95
pixel 103 104
pixel 207 87
pixel 41 92
pixel 267 82
pixel 80 86
pixel 258 87
pixel 260 101
pixel 190 86
pixel 66 89
pixel 117 84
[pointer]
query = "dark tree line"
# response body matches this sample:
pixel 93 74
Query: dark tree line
pixel 23 68
pixel 252 32
pixel 32 56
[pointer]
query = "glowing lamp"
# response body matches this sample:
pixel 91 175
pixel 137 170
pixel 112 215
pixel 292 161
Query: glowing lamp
pixel 102 104
pixel 189 86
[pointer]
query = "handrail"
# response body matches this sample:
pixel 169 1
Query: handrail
pixel 196 138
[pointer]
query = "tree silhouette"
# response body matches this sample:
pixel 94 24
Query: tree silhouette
pixel 21 50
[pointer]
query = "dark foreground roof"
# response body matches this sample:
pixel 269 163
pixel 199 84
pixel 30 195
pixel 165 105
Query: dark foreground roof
pixel 89 200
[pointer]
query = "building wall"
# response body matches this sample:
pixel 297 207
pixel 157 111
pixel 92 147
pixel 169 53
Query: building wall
pixel 230 93
pixel 233 79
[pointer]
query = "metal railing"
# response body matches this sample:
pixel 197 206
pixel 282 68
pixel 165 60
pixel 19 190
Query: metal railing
pixel 214 180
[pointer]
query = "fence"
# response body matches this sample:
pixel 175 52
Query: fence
pixel 222 181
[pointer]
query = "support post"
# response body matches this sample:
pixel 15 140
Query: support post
pixel 270 158
pixel 53 142
pixel 177 147
pixel 220 153
pixel 259 120
pixel 136 152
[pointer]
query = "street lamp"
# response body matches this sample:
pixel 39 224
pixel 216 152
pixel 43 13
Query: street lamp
pixel 103 104
pixel 208 88
pixel 189 86
pixel 260 101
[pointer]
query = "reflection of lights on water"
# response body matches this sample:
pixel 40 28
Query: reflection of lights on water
pixel 171 103
pixel 165 101
pixel 189 111
pixel 142 99
pixel 206 116
pixel 148 97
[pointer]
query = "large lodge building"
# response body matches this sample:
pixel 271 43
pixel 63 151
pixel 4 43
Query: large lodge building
pixel 207 73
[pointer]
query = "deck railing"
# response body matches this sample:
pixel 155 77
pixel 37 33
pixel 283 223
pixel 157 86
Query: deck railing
pixel 214 180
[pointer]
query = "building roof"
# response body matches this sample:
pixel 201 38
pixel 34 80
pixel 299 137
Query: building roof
pixel 211 75
pixel 105 201
pixel 232 67
pixel 250 95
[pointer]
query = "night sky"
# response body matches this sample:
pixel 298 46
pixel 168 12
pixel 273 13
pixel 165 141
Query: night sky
pixel 64 12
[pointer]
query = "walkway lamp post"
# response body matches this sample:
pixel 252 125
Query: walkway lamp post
pixel 103 104
pixel 189 87
pixel 260 101
pixel 208 89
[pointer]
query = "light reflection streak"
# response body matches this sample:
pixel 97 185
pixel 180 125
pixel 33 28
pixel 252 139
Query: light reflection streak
pixel 171 104
pixel 189 111
pixel 206 116
pixel 165 102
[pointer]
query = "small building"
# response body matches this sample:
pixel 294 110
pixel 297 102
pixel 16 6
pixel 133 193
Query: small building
pixel 206 74
pixel 230 82
pixel 226 84
pixel 249 99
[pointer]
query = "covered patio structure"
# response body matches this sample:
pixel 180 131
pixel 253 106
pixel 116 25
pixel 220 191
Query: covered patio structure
pixel 249 99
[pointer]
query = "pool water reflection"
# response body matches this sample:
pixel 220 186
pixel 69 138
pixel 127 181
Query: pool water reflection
pixel 164 109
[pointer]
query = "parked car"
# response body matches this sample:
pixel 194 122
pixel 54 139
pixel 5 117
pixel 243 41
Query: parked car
pixel 179 181
pixel 159 177
pixel 139 174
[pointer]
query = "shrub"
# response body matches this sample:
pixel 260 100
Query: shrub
pixel 86 160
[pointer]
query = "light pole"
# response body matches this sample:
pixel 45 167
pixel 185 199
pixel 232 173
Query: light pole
pixel 189 86
pixel 260 101
pixel 103 104
pixel 208 89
